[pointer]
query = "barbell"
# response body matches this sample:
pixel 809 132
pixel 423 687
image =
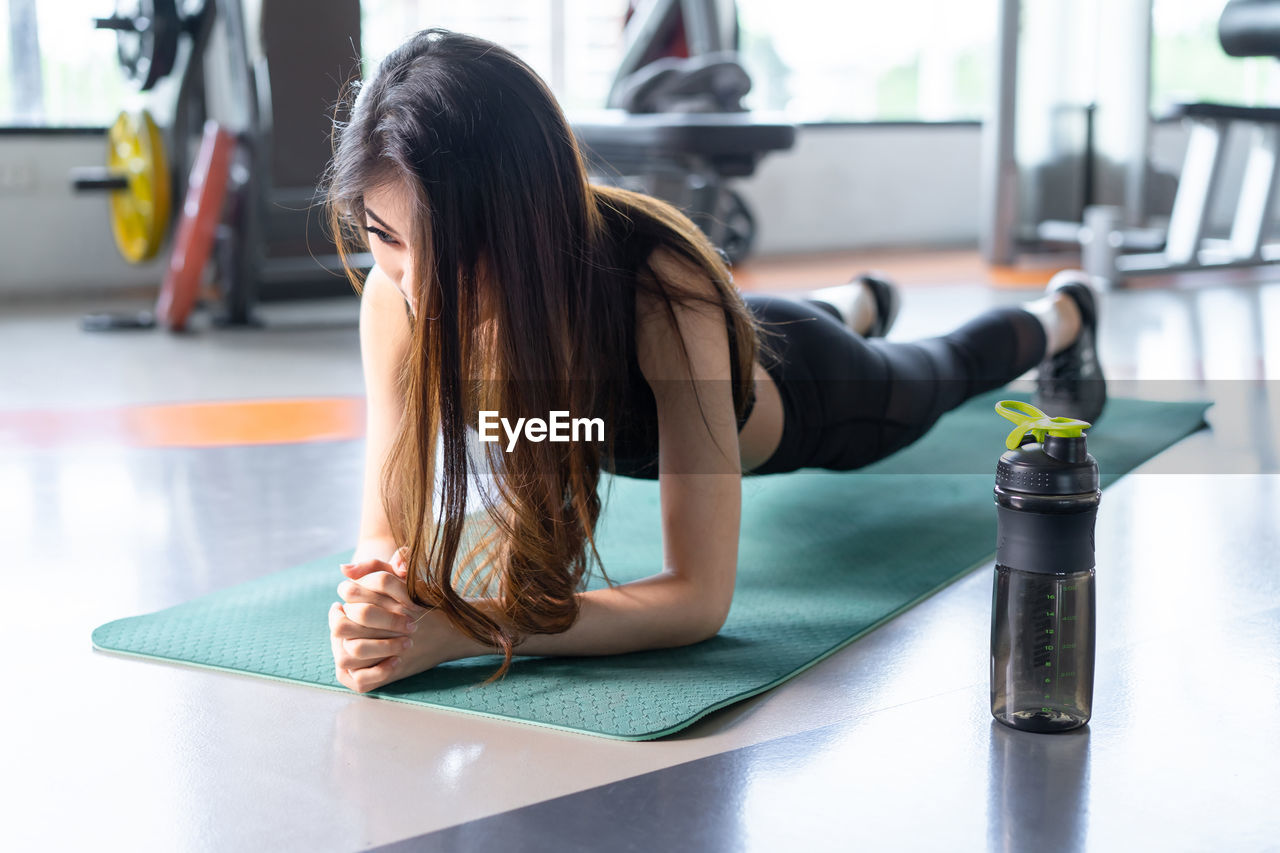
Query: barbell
pixel 147 34
pixel 137 176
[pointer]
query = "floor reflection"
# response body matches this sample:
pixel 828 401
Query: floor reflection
pixel 1037 790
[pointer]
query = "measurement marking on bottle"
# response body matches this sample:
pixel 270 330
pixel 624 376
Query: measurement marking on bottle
pixel 1056 652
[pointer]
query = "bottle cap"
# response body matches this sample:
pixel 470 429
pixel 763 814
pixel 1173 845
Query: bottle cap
pixel 1046 456
pixel 1028 419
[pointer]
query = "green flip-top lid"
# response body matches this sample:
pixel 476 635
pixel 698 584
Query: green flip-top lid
pixel 1028 419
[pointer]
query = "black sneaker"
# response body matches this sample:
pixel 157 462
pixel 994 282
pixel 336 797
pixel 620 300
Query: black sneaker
pixel 1070 384
pixel 888 301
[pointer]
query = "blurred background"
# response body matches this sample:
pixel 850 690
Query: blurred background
pixel 888 103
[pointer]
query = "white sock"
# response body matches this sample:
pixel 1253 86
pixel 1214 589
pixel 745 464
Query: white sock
pixel 1060 316
pixel 855 302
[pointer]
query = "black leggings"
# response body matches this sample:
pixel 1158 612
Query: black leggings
pixel 848 401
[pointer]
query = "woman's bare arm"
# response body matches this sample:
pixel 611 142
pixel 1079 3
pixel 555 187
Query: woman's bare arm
pixel 384 339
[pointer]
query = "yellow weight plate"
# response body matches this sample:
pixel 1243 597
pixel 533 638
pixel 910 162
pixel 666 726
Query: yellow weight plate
pixel 139 213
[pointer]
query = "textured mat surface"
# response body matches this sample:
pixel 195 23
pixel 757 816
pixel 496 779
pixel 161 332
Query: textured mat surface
pixel 824 557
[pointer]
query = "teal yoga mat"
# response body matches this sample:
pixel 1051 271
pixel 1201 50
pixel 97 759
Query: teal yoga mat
pixel 824 557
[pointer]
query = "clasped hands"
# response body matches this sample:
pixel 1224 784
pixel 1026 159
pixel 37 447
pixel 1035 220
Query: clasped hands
pixel 377 633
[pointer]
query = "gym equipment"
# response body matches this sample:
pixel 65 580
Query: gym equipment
pixel 812 578
pixel 200 215
pixel 697 84
pixel 198 225
pixel 675 127
pixel 661 29
pixel 1250 28
pixel 1043 601
pixel 147 34
pixel 686 159
pixel 265 72
pixel 1112 252
pixel 137 176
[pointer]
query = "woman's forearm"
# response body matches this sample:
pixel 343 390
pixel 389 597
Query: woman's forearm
pixel 658 612
pixel 374 548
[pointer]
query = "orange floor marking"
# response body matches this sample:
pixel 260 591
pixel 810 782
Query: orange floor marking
pixel 205 424
pixel 908 268
pixel 1023 277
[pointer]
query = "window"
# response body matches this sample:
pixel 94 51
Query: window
pixel 1188 64
pixel 574 45
pixel 56 69
pixel 867 60
pixel 812 59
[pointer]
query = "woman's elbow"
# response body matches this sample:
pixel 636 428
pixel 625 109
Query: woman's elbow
pixel 703 610
pixel 712 621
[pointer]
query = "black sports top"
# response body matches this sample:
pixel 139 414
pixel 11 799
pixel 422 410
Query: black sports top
pixel 635 445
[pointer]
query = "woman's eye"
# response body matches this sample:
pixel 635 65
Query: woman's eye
pixel 381 235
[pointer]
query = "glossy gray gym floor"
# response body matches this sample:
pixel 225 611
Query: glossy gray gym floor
pixel 887 744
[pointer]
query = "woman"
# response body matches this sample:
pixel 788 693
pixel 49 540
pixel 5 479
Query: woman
pixel 505 283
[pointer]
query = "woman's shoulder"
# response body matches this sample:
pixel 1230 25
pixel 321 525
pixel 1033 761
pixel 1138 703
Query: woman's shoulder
pixel 681 283
pixel 384 319
pixel 693 329
pixel 674 268
pixel 379 287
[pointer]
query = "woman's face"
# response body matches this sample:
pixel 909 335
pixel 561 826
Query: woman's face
pixel 387 221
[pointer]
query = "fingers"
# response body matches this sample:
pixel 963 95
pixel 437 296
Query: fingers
pixel 396 566
pixel 362 679
pixel 362 663
pixel 370 620
pixel 355 571
pixel 352 592
pixel 342 625
pixel 368 631
pixel 370 677
pixel 383 589
pixel 363 652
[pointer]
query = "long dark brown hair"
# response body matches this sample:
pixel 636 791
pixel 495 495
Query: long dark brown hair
pixel 526 280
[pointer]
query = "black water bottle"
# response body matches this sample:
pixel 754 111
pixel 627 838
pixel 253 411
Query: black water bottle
pixel 1042 612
